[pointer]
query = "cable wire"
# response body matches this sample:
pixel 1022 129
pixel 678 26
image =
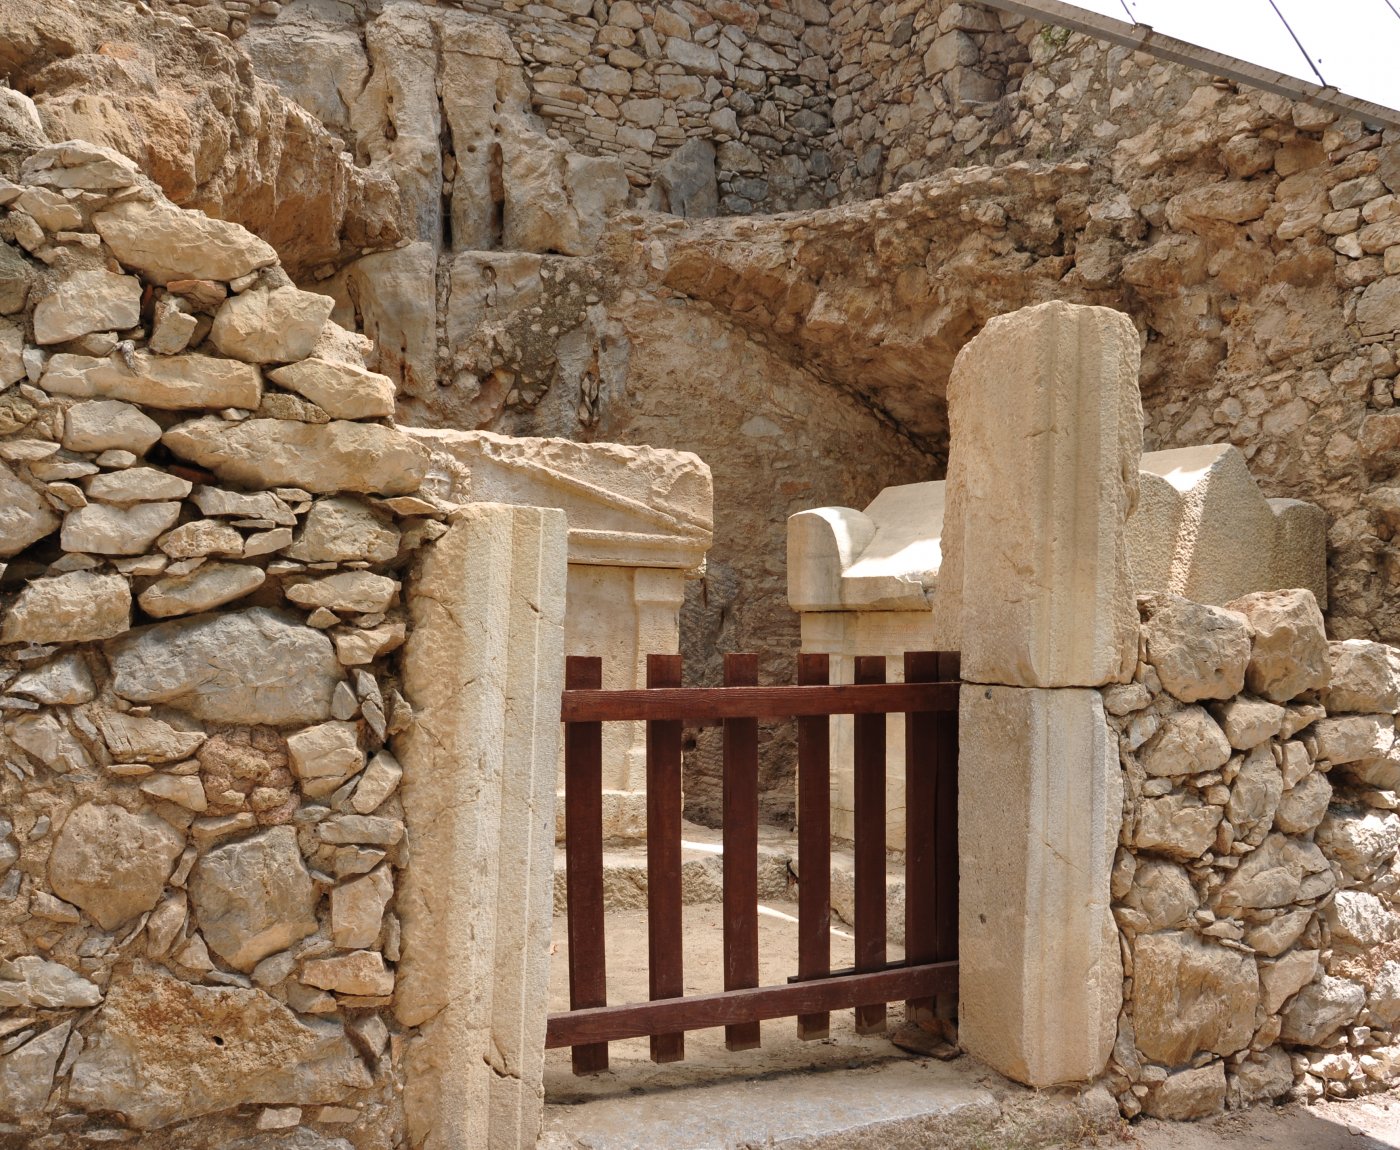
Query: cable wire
pixel 1303 50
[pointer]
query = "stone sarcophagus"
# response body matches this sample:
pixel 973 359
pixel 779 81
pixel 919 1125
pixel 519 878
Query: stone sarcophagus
pixel 864 581
pixel 640 521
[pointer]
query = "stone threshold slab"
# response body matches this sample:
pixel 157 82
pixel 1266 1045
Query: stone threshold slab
pixel 900 1104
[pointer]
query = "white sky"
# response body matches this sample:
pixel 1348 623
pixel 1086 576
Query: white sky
pixel 1354 44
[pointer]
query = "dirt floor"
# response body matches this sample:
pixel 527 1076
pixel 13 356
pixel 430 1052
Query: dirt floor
pixel 1364 1124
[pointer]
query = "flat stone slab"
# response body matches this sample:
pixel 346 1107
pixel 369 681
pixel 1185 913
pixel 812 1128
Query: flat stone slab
pixel 893 1105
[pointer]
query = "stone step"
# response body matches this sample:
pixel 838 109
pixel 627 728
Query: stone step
pixel 898 1104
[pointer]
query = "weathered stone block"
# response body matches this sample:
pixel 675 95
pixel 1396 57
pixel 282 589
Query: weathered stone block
pixel 1046 438
pixel 484 660
pixel 1180 983
pixel 1039 809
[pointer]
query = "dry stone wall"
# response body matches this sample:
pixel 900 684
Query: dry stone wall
pixel 716 105
pixel 1255 884
pixel 207 515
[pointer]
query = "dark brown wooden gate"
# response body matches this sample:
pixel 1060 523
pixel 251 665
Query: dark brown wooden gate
pixel 928 698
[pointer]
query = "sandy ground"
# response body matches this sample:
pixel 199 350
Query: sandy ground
pixel 706 1059
pixel 1364 1124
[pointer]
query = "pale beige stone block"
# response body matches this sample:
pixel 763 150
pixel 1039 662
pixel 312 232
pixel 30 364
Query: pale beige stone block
pixel 483 670
pixel 1043 474
pixel 1039 808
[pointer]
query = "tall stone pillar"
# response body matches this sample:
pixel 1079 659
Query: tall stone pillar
pixel 483 669
pixel 1035 588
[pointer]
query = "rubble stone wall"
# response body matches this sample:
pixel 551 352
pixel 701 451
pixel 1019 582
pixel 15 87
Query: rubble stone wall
pixel 743 83
pixel 207 516
pixel 1255 884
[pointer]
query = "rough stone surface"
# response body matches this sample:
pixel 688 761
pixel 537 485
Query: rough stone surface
pixel 1036 574
pixel 1188 742
pixel 1365 677
pixel 152 1061
pixel 174 382
pixel 1179 984
pixel 341 528
pixel 337 456
pixel 254 897
pixel 341 390
pixel 99 529
pixel 1199 652
pixel 253 666
pixel 1322 1008
pixel 111 863
pixel 103 424
pixel 276 326
pixel 87 301
pixel 71 608
pixel 1188 1094
pixel 164 243
pixel 1290 653
pixel 209 585
pixel 324 756
pixel 24 516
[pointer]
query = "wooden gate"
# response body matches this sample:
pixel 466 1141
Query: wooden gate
pixel 928 698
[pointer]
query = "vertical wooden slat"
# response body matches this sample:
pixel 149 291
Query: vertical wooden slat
pixel 813 842
pixel 946 833
pixel 665 963
pixel 741 850
pixel 583 859
pixel 921 749
pixel 870 842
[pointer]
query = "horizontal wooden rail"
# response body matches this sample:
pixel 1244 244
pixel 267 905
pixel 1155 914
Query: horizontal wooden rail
pixel 613 1023
pixel 697 705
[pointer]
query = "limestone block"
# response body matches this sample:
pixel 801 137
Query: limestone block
pixel 164 243
pixel 101 529
pixel 27 1074
pixel 25 517
pixel 1039 810
pixel 1204 530
pixel 1046 438
pixel 254 666
pixel 1180 982
pixel 137 485
pixel 65 680
pixel 885 558
pixel 276 326
pixel 341 529
pixel 631 506
pixel 1321 1009
pixel 103 424
pixel 209 585
pixel 253 897
pixel 90 300
pixel 341 390
pixel 111 863
pixel 31 980
pixel 336 456
pixel 1290 654
pixel 483 663
pixel 173 382
pixel 72 608
pixel 1188 742
pixel 150 1057
pixel 1365 677
pixel 1199 652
